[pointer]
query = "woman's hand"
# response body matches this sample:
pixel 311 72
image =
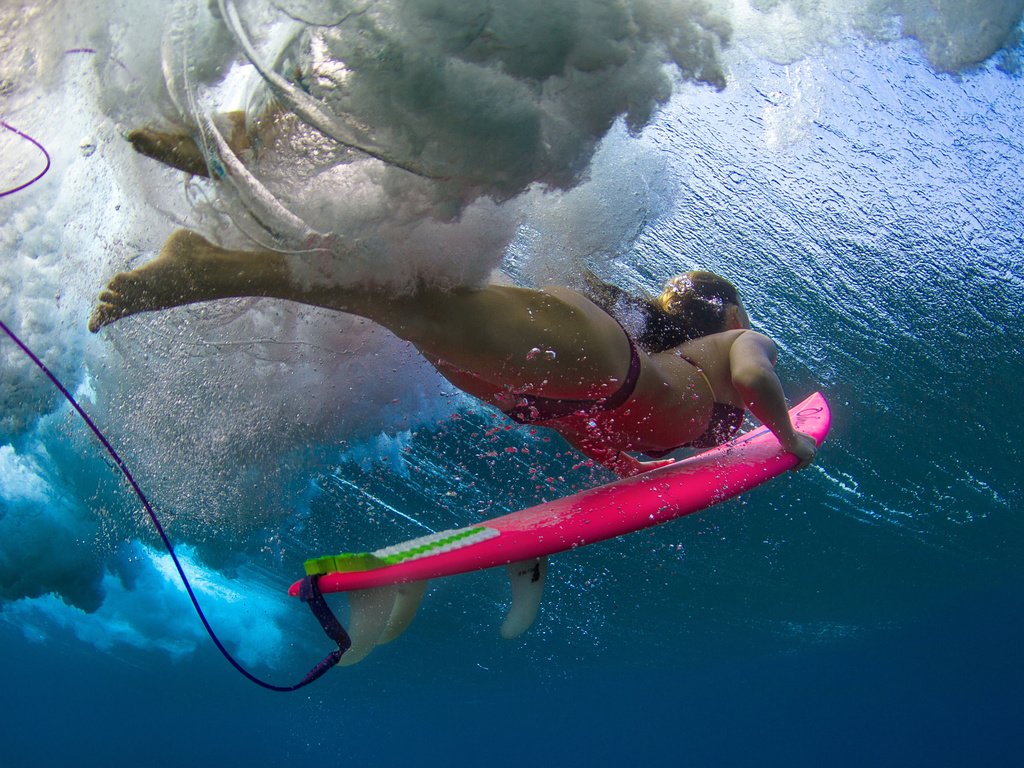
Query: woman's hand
pixel 803 447
pixel 619 462
pixel 628 466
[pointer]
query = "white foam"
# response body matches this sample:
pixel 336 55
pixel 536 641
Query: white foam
pixel 21 478
pixel 953 35
pixel 145 607
pixel 480 100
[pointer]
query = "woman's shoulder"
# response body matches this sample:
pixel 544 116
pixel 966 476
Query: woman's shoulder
pixel 716 353
pixel 713 343
pixel 746 339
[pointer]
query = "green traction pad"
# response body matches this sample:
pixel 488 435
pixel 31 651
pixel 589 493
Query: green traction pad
pixel 435 543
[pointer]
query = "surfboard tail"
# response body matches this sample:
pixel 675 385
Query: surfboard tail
pixel 381 614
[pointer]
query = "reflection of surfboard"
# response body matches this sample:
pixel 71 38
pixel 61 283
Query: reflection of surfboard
pixel 385 586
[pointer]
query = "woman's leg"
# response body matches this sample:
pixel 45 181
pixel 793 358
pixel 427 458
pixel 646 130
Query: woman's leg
pixel 179 150
pixel 189 269
pixel 553 343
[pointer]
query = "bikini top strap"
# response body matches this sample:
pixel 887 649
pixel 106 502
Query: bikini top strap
pixel 703 375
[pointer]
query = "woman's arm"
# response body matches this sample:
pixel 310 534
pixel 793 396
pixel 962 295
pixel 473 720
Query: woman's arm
pixel 752 364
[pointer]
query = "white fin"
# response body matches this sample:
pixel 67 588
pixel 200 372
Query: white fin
pixel 371 610
pixel 527 578
pixel 404 610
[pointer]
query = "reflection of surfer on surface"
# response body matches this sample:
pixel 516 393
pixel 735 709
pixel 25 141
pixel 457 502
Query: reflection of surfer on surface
pixel 552 357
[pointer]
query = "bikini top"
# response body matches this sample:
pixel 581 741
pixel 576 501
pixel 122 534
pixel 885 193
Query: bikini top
pixel 726 420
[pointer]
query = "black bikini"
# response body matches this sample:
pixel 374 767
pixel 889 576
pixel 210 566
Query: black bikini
pixel 725 420
pixel 535 408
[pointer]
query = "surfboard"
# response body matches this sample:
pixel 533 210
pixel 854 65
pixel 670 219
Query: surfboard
pixel 385 586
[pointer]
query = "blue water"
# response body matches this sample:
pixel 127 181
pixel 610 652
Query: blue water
pixel 866 611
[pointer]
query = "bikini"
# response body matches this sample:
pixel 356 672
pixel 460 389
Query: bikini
pixel 725 420
pixel 534 408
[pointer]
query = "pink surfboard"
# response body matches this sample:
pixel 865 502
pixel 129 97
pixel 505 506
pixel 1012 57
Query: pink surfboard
pixel 522 540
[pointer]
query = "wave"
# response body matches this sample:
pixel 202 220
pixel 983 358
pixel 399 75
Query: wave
pixel 443 140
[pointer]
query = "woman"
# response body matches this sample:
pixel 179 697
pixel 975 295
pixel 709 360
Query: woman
pixel 552 357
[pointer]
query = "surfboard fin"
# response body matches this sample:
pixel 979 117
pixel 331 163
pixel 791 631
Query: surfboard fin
pixel 404 610
pixel 379 615
pixel 371 610
pixel 527 577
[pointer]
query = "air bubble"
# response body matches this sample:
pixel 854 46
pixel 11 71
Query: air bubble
pixel 547 354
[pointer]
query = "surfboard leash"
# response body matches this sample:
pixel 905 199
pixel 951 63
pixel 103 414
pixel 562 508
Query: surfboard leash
pixel 309 591
pixel 40 147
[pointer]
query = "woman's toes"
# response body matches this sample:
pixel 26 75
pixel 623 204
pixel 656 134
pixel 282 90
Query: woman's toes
pixel 102 315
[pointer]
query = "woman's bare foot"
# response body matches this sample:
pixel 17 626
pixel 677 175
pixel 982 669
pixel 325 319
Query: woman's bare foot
pixel 179 150
pixel 175 277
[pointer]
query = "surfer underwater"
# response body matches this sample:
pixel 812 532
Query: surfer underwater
pixel 551 358
pixel 480 101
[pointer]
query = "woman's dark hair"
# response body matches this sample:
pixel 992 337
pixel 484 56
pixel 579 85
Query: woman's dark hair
pixel 691 306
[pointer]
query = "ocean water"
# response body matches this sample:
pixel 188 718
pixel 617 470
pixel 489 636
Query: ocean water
pixel 858 176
